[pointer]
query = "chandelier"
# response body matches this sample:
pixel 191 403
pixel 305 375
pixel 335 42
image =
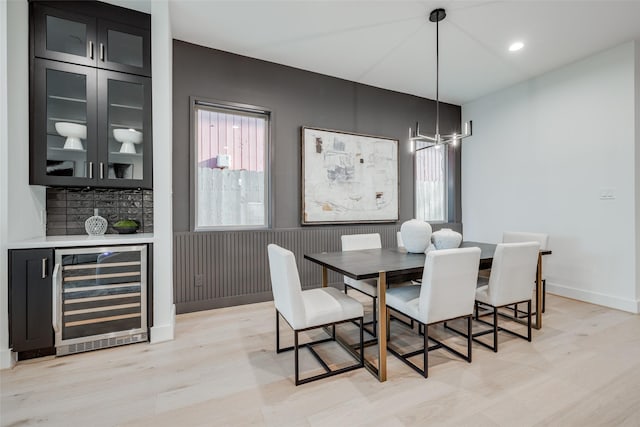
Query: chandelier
pixel 436 16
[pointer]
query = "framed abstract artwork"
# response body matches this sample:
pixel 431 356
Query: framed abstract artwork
pixel 348 177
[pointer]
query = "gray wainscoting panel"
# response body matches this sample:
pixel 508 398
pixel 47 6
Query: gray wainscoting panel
pixel 220 269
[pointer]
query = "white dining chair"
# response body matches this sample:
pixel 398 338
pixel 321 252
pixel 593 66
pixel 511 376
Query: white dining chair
pixel 543 240
pixel 368 287
pixel 509 283
pixel 447 292
pixel 310 309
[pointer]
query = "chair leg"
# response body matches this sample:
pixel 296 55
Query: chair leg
pixel 426 352
pixel 277 332
pixel 362 341
pixel 544 295
pixel 529 320
pixel 476 308
pixel 495 329
pixel 469 338
pixel 345 289
pixel 388 322
pixel 295 346
pixel 375 317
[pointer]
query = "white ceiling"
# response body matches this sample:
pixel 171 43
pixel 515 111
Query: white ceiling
pixel 391 44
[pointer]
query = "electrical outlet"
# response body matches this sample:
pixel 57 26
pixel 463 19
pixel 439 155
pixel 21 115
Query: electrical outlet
pixel 198 280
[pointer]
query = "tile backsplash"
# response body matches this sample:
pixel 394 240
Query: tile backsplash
pixel 69 208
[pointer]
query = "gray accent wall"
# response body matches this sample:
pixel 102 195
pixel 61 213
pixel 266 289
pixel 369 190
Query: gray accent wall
pixel 295 98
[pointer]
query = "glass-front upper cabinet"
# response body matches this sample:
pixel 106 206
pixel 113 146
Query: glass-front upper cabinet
pixel 73 37
pixel 124 48
pixel 64 35
pixel 125 128
pixel 64 124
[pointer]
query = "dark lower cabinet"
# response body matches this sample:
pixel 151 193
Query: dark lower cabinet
pixel 30 299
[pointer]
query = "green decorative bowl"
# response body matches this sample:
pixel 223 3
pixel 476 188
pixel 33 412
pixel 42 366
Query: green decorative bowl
pixel 126 226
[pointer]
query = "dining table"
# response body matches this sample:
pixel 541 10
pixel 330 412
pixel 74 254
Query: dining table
pixel 395 265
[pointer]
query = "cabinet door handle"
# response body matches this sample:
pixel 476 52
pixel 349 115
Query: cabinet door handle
pixel 90 170
pixel 101 52
pixel 101 170
pixel 44 268
pixel 54 299
pixel 91 50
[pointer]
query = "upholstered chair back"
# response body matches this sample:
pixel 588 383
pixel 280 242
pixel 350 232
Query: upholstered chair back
pixel 520 236
pixel 513 272
pixel 356 242
pixel 448 284
pixel 285 283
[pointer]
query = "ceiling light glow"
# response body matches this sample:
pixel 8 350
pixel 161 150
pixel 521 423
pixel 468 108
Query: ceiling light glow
pixel 516 46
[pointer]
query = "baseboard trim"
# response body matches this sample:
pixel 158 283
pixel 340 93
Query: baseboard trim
pixel 7 358
pixel 629 305
pixel 162 333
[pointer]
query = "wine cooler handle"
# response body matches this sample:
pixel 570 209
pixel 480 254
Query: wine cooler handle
pixel 54 300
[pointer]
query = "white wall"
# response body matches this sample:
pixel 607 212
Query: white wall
pixel 541 154
pixel 637 168
pixel 5 354
pixel 162 60
pixel 26 203
pixel 23 205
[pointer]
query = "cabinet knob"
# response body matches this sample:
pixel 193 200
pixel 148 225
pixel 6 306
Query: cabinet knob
pixel 90 170
pixel 101 170
pixel 44 268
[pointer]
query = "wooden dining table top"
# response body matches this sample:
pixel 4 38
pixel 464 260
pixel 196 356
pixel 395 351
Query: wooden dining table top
pixel 368 263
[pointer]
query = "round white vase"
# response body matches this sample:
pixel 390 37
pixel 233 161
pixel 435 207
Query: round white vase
pixel 446 238
pixel 416 235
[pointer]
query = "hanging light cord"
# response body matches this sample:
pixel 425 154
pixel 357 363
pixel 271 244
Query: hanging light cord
pixel 437 79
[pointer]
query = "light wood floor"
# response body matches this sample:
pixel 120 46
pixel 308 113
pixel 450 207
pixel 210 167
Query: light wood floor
pixel 582 369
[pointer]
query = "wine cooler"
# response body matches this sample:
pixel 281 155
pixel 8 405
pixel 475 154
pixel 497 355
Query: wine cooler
pixel 99 297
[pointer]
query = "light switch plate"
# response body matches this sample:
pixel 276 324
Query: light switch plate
pixel 607 193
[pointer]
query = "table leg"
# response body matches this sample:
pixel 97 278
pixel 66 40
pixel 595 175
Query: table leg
pixel 382 327
pixel 325 277
pixel 539 293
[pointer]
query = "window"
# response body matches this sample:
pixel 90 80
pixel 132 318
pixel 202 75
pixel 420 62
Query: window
pixel 431 183
pixel 231 166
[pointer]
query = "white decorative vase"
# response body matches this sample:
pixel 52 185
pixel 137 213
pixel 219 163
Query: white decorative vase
pixel 127 137
pixel 95 225
pixel 446 238
pixel 416 235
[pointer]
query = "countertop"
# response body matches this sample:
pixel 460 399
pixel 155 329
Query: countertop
pixel 70 241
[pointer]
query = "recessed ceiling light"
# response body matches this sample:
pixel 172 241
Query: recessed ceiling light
pixel 516 46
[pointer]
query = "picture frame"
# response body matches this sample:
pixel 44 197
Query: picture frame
pixel 348 177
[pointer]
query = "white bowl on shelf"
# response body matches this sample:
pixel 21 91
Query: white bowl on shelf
pixel 74 132
pixel 127 137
